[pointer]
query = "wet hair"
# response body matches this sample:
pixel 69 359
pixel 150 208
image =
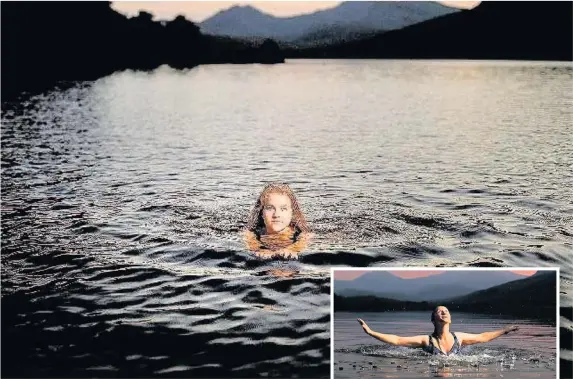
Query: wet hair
pixel 433 317
pixel 256 222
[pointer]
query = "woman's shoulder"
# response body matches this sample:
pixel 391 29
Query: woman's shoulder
pixel 251 239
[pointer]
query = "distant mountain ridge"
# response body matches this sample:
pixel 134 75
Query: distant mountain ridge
pixel 538 291
pixel 533 297
pixel 435 287
pixel 350 17
pixel 494 30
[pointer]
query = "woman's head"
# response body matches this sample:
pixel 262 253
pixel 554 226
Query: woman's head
pixel 276 209
pixel 441 315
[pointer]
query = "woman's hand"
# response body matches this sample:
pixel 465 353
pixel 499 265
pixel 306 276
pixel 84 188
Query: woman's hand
pixel 367 330
pixel 264 254
pixel 282 253
pixel 510 328
pixel 288 254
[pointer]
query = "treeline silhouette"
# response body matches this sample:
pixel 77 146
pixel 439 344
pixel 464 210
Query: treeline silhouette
pixel 540 30
pixel 533 298
pixel 44 43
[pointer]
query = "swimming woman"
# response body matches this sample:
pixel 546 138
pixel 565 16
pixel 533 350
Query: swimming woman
pixel 276 226
pixel 442 341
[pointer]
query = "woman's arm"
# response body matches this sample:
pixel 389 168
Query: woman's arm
pixel 260 250
pixel 269 246
pixel 415 341
pixel 290 251
pixel 470 339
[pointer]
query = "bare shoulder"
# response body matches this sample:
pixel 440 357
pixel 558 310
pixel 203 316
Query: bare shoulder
pixel 249 234
pixel 251 240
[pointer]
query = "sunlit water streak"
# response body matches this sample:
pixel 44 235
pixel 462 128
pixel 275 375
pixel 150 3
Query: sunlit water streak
pixel 123 199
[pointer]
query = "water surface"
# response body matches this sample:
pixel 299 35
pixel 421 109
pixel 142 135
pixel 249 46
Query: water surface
pixel 123 199
pixel 528 353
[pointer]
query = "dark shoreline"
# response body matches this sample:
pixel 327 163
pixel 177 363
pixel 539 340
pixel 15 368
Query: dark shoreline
pixel 45 44
pixel 40 52
pixel 549 321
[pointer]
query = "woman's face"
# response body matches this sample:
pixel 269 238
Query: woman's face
pixel 442 315
pixel 277 212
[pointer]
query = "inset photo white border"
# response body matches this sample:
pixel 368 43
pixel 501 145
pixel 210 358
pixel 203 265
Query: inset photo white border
pixel 333 270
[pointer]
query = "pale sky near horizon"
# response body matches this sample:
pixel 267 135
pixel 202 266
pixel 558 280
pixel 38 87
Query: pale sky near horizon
pixel 351 275
pixel 198 11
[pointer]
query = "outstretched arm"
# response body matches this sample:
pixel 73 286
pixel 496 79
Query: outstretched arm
pixel 470 339
pixel 415 341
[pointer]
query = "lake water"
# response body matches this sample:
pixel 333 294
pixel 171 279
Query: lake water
pixel 122 202
pixel 528 353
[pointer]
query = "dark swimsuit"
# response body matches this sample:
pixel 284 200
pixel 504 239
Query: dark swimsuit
pixel 432 349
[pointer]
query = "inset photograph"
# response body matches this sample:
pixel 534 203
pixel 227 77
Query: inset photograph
pixel 405 323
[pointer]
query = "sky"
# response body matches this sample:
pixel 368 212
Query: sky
pixel 350 275
pixel 198 11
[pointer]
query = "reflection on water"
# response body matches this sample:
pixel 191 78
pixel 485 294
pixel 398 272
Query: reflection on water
pixel 123 203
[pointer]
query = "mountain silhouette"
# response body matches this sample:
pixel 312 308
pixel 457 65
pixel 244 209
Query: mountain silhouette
pixel 348 17
pixel 445 285
pixel 533 297
pixel 537 293
pixel 538 30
